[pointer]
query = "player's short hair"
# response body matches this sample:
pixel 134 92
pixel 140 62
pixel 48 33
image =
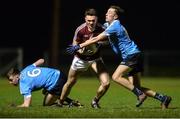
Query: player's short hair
pixel 90 12
pixel 118 9
pixel 12 71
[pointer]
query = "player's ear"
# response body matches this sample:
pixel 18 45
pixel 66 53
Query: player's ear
pixel 116 16
pixel 85 18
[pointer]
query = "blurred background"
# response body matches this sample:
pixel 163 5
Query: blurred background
pixel 44 28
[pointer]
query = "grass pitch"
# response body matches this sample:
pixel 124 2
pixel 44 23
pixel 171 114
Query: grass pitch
pixel 116 103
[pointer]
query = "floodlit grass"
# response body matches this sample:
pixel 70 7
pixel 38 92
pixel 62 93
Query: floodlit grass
pixel 117 103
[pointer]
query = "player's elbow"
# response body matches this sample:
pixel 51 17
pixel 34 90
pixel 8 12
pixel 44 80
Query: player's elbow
pixel 41 61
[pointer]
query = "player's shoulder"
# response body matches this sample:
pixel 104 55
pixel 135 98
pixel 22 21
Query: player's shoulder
pixel 81 27
pixel 116 23
pixel 29 67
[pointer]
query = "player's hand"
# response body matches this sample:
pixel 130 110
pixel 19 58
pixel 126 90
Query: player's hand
pixel 72 49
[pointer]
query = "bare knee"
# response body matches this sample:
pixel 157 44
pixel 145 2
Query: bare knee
pixel 105 84
pixel 116 77
pixel 105 80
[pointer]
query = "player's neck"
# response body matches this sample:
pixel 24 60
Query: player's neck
pixel 91 29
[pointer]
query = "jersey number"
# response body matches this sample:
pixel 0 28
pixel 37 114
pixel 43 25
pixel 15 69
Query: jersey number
pixel 34 72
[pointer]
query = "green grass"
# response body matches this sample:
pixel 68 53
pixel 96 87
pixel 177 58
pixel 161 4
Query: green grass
pixel 117 103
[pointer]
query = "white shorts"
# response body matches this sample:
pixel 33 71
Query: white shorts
pixel 82 65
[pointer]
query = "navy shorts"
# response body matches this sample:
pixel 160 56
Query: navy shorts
pixel 134 61
pixel 59 85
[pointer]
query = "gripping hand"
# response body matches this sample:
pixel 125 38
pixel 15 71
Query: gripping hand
pixel 72 49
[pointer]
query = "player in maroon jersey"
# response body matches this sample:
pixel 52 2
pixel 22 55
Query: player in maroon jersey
pixel 87 57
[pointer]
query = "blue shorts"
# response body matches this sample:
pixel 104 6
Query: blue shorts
pixel 134 61
pixel 59 85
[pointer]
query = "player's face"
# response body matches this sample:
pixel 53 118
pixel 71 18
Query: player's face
pixel 13 79
pixel 91 22
pixel 111 15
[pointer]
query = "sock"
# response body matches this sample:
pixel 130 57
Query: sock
pixel 137 92
pixel 95 99
pixel 159 97
pixel 68 100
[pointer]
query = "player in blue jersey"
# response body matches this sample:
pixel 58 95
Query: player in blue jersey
pixel 128 72
pixel 33 78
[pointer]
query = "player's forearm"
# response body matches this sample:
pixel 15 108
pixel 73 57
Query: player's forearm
pixel 74 42
pixel 39 62
pixel 27 102
pixel 88 42
pixel 92 40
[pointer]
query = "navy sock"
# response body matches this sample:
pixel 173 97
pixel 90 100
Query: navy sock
pixel 159 97
pixel 137 92
pixel 68 100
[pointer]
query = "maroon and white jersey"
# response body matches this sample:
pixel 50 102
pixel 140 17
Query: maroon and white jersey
pixel 82 34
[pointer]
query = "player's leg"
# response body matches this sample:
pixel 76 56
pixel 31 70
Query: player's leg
pixel 72 78
pixel 165 103
pixel 49 99
pixel 119 77
pixel 135 80
pixel 52 95
pixel 77 67
pixel 103 75
pixel 165 100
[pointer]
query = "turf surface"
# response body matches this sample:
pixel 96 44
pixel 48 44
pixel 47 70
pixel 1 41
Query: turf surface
pixel 117 103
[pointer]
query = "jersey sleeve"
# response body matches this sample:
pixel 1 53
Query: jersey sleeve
pixel 112 28
pixel 78 34
pixel 25 90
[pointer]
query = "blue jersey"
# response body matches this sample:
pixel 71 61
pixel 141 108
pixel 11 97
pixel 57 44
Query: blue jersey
pixel 35 78
pixel 119 39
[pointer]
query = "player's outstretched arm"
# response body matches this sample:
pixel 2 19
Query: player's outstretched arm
pixel 92 40
pixel 39 62
pixel 73 48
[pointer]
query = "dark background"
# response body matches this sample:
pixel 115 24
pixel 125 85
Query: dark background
pixel 28 24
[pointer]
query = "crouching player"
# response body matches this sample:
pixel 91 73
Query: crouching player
pixel 33 78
